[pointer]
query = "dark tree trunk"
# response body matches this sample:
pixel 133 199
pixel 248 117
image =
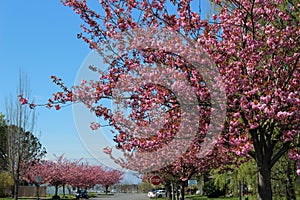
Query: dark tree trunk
pixel 264 183
pixel 106 189
pixel 266 155
pixel 56 190
pixel 183 184
pixel 168 190
pixel 177 189
pixel 289 184
pixel 64 190
pixel 16 190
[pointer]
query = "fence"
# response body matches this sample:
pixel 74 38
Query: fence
pixel 26 191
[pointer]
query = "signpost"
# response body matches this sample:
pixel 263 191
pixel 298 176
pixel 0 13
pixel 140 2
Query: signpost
pixel 155 180
pixel 38 180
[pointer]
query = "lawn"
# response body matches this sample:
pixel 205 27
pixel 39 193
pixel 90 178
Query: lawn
pixel 197 197
pixel 206 198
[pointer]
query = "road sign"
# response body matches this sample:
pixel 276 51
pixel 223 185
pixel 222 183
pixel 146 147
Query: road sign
pixel 38 179
pixel 155 180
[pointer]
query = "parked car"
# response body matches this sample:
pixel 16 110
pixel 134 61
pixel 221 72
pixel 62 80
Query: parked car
pixel 157 194
pixel 160 193
pixel 152 194
pixel 82 194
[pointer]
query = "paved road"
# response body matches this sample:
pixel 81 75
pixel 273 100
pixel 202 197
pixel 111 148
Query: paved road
pixel 123 196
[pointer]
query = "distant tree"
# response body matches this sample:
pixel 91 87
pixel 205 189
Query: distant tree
pixel 145 187
pixel 6 181
pixel 37 169
pixel 83 176
pixel 23 147
pixel 237 180
pixel 3 143
pixel 109 178
pixel 55 173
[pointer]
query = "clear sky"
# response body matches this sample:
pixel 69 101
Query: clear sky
pixel 39 38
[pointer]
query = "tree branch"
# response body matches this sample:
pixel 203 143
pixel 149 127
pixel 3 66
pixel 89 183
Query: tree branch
pixel 282 151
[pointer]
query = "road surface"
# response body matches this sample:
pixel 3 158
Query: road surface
pixel 123 196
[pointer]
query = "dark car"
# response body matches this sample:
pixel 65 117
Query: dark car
pixel 82 194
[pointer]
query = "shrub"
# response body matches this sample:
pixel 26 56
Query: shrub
pixel 212 191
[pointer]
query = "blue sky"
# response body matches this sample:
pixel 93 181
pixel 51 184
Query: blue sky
pixel 39 38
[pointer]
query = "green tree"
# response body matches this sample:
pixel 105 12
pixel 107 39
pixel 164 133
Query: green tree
pixel 6 181
pixel 144 187
pixel 284 178
pixel 238 181
pixel 3 143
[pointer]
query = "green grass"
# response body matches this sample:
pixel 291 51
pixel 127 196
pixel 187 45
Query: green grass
pixel 48 197
pixel 197 197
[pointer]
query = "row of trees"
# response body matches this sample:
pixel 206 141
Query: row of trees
pixel 253 84
pixel 76 173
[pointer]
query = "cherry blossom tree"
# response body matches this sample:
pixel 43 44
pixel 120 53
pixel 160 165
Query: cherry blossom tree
pixel 258 55
pixel 55 173
pixel 109 177
pixel 35 170
pixel 255 47
pixel 37 174
pixel 83 175
pixel 77 173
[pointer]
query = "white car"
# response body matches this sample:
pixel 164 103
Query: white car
pixel 151 194
pixel 161 193
pixel 157 194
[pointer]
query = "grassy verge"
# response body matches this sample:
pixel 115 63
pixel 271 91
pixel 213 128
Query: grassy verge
pixel 66 197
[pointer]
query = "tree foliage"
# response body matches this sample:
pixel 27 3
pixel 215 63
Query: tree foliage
pixel 76 173
pixel 6 182
pixel 3 143
pixel 245 175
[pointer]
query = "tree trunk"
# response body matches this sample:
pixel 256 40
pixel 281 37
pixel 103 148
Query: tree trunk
pixel 173 191
pixel 264 183
pixel 289 184
pixel 183 183
pixel 64 190
pixel 16 190
pixel 56 190
pixel 168 190
pixel 69 190
pixel 106 189
pixel 177 193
